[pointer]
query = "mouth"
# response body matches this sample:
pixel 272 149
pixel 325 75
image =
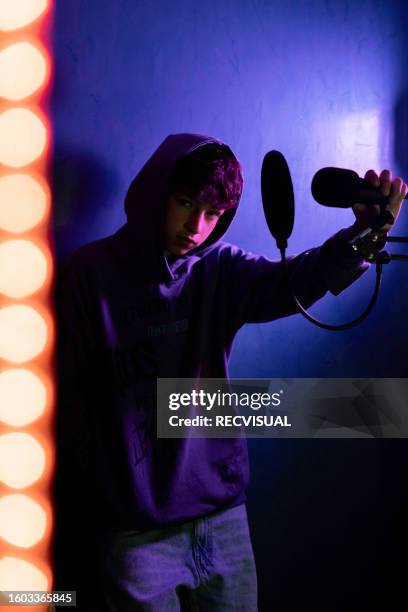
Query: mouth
pixel 187 242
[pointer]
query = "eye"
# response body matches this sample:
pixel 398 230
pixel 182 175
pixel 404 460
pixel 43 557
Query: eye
pixel 185 203
pixel 214 213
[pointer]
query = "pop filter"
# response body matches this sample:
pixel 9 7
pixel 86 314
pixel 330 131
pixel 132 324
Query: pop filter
pixel 277 197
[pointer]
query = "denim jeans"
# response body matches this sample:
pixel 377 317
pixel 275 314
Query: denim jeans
pixel 204 565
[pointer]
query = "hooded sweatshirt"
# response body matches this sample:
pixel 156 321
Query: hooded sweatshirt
pixel 127 316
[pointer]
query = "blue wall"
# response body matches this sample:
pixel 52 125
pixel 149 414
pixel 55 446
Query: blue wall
pixel 319 81
pixel 324 82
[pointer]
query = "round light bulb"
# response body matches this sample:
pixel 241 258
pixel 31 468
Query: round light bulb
pixel 22 459
pixel 23 268
pixel 23 333
pixel 16 14
pixel 23 137
pixel 22 397
pixel 23 69
pixel 20 575
pixel 23 202
pixel 22 520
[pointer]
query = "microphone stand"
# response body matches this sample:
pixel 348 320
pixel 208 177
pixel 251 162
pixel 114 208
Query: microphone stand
pixel 365 248
pixel 385 257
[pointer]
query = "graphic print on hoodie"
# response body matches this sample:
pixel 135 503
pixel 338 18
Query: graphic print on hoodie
pixel 127 316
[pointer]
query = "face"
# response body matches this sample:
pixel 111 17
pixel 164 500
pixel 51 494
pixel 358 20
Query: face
pixel 188 223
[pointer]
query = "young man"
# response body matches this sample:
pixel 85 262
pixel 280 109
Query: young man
pixel 164 297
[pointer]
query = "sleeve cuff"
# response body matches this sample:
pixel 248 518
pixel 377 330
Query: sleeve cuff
pixel 341 265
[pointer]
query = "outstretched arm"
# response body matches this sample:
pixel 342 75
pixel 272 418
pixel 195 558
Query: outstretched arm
pixel 258 291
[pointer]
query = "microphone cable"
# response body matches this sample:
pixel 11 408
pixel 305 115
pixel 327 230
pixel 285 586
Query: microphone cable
pixel 340 327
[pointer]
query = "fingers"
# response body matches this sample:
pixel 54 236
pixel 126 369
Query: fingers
pixel 388 186
pixel 373 177
pixel 394 189
pixel 398 189
pixel 398 192
pixel 385 180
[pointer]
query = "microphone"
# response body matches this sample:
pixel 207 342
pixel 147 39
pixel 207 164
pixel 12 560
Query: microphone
pixel 343 188
pixel 278 202
pixel 277 197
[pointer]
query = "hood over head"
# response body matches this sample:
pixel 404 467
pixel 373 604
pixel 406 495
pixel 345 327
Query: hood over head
pixel 146 198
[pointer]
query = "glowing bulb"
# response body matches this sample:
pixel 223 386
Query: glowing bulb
pixel 22 459
pixel 22 137
pixel 23 333
pixel 22 71
pixel 22 520
pixel 19 575
pixel 23 202
pixel 15 14
pixel 23 268
pixel 22 397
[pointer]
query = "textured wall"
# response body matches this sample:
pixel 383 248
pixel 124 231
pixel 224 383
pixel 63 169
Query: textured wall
pixel 319 81
pixel 322 81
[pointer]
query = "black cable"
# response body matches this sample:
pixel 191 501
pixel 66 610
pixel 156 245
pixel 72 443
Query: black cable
pixel 328 326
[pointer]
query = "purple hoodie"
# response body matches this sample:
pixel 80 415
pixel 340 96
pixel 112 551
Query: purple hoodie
pixel 127 316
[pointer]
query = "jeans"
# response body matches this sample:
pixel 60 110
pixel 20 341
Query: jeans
pixel 204 565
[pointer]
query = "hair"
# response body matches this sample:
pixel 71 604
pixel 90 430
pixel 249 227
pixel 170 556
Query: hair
pixel 209 174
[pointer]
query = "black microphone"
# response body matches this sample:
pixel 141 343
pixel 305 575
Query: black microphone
pixel 277 197
pixel 343 188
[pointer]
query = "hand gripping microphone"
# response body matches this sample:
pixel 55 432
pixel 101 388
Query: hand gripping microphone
pixel 343 188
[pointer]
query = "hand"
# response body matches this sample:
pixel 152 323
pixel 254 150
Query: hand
pixel 396 189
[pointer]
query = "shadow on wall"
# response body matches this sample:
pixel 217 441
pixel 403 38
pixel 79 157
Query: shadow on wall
pixel 82 187
pixel 401 132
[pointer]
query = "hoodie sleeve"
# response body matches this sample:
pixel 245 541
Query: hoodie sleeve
pixel 258 291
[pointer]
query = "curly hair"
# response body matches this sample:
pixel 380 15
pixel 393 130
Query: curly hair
pixel 209 174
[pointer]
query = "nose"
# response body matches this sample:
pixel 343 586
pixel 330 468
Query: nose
pixel 194 223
